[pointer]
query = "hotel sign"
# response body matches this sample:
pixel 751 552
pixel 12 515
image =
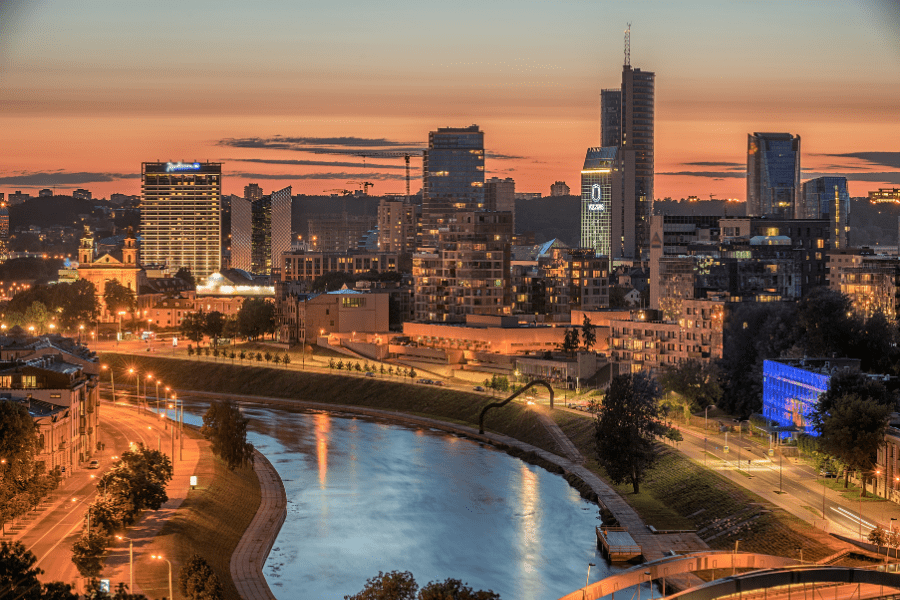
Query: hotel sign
pixel 595 198
pixel 180 166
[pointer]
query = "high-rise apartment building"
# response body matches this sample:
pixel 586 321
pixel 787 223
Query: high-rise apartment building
pixel 610 117
pixel 260 229
pixel 500 195
pixel 600 183
pixel 885 195
pixel 828 198
pixel 773 175
pixel 396 227
pixel 559 188
pixel 181 223
pixel 253 192
pixel 452 178
pixel 636 154
pixel 337 232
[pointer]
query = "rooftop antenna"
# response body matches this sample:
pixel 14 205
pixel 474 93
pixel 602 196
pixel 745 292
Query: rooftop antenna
pixel 628 46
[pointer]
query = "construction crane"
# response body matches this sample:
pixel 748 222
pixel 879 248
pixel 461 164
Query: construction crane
pixel 365 186
pixel 712 197
pixel 389 154
pixel 339 191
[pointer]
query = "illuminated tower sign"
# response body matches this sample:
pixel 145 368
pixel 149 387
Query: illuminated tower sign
pixel 599 178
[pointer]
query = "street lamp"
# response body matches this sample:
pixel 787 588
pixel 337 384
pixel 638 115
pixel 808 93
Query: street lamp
pixel 80 331
pixel 112 380
pixel 588 580
pixel 131 563
pixel 158 557
pixel 734 557
pixel 706 424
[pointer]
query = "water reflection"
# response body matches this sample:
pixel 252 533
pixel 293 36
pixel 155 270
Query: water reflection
pixel 365 496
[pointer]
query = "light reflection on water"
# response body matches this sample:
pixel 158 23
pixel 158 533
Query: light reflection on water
pixel 366 496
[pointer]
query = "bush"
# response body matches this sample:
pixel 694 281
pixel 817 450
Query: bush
pixel 198 581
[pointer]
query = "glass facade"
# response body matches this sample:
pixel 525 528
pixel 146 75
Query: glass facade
pixel 638 110
pixel 453 177
pixel 596 199
pixel 181 223
pixel 828 198
pixel 773 175
pixel 790 393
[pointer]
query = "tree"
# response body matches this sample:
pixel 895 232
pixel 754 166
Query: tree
pixel 242 355
pixel 18 575
pixel 588 334
pixel 626 428
pixel 697 382
pixel 198 581
pixel 193 325
pixel 878 536
pixel 226 428
pixel 256 317
pixel 617 297
pixel 185 275
pixel 137 481
pixel 570 341
pixel 852 428
pixel 276 359
pixel 259 357
pixel 76 303
pixel 454 589
pixel 118 297
pixel 38 315
pixel 286 359
pixel 88 552
pixel 412 373
pixel 824 317
pixel 214 325
pixel 395 585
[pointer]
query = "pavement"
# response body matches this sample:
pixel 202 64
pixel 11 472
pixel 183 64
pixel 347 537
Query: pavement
pixel 50 531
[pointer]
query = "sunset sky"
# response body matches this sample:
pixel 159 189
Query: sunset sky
pixel 290 92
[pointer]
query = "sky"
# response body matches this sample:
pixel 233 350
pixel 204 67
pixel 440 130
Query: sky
pixel 307 93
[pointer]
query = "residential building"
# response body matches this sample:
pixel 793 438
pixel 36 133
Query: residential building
pixel 45 193
pixel 871 281
pixel 396 227
pixel 468 269
pixel 528 196
pixel 18 197
pixel 885 195
pixel 600 183
pixel 559 188
pixel 181 216
pixel 305 266
pixel 452 178
pixel 303 318
pixel 828 198
pixel 500 195
pixel 773 175
pixel 338 232
pixel 82 194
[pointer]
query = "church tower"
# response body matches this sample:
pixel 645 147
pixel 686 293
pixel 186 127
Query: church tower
pixel 129 250
pixel 86 248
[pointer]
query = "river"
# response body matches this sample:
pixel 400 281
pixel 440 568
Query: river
pixel 366 496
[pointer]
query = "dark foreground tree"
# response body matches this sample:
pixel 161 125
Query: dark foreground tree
pixel 454 589
pixel 626 428
pixel 198 581
pixel 88 552
pixel 226 428
pixel 396 585
pixel 137 482
pixel 697 382
pixel 19 576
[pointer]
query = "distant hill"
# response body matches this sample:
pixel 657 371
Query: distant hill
pixel 551 217
pixel 50 211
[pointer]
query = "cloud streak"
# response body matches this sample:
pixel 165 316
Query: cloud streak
pixel 885 159
pixel 714 174
pixel 731 165
pixel 329 176
pixel 322 145
pixel 313 163
pixel 62 178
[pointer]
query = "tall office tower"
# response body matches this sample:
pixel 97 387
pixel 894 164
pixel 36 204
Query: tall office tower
pixel 500 194
pixel 828 198
pixel 396 227
pixel 181 221
pixel 600 183
pixel 452 178
pixel 559 188
pixel 260 230
pixel 253 192
pixel 773 175
pixel 636 154
pixel 610 117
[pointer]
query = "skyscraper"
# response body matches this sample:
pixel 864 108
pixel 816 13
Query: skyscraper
pixel 500 195
pixel 600 183
pixel 181 224
pixel 453 178
pixel 828 198
pixel 260 230
pixel 636 154
pixel 773 175
pixel 610 117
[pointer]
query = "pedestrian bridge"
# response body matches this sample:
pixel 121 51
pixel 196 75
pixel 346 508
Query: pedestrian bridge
pixel 765 572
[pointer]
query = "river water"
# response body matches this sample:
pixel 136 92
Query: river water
pixel 366 496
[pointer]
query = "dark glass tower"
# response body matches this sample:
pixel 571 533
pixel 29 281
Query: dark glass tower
pixel 453 178
pixel 773 175
pixel 828 198
pixel 637 146
pixel 610 117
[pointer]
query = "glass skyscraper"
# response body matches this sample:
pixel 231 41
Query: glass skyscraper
pixel 773 175
pixel 260 230
pixel 598 180
pixel 181 223
pixel 638 93
pixel 453 178
pixel 828 198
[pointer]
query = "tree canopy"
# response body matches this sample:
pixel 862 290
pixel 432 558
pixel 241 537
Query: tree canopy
pixel 696 382
pixel 401 585
pixel 198 581
pixel 588 334
pixel 73 303
pixel 226 428
pixel 256 317
pixel 137 481
pixel 118 297
pixel 626 428
pixel 19 576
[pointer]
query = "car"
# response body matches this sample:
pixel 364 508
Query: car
pixel 439 383
pixel 370 374
pixel 422 381
pixel 827 473
pixel 94 464
pixel 478 388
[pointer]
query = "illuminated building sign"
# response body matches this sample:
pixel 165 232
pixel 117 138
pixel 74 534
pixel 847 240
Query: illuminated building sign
pixel 595 198
pixel 180 166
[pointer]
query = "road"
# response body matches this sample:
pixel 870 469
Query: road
pixel 51 535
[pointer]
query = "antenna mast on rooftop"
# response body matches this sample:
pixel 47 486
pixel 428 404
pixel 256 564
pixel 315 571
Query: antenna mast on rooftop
pixel 628 46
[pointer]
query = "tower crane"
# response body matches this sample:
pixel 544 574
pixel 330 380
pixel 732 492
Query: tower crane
pixel 365 185
pixel 339 191
pixel 389 154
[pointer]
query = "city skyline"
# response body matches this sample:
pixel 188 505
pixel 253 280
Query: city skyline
pixel 294 100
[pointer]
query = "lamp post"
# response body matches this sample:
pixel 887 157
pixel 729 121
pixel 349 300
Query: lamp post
pixel 112 381
pixel 130 563
pixel 119 333
pixel 706 416
pixel 158 557
pixel 137 385
pixel 588 580
pixel 80 331
pixel 734 557
pixel 149 378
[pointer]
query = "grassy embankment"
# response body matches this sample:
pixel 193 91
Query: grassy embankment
pixel 210 522
pixel 679 494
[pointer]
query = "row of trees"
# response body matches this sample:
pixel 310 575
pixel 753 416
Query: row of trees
pixel 24 482
pixel 255 318
pixel 241 355
pixel 136 482
pixel 372 368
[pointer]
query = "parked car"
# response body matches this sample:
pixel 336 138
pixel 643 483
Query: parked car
pixel 94 464
pixel 439 383
pixel 479 388
pixel 828 473
pixel 370 374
